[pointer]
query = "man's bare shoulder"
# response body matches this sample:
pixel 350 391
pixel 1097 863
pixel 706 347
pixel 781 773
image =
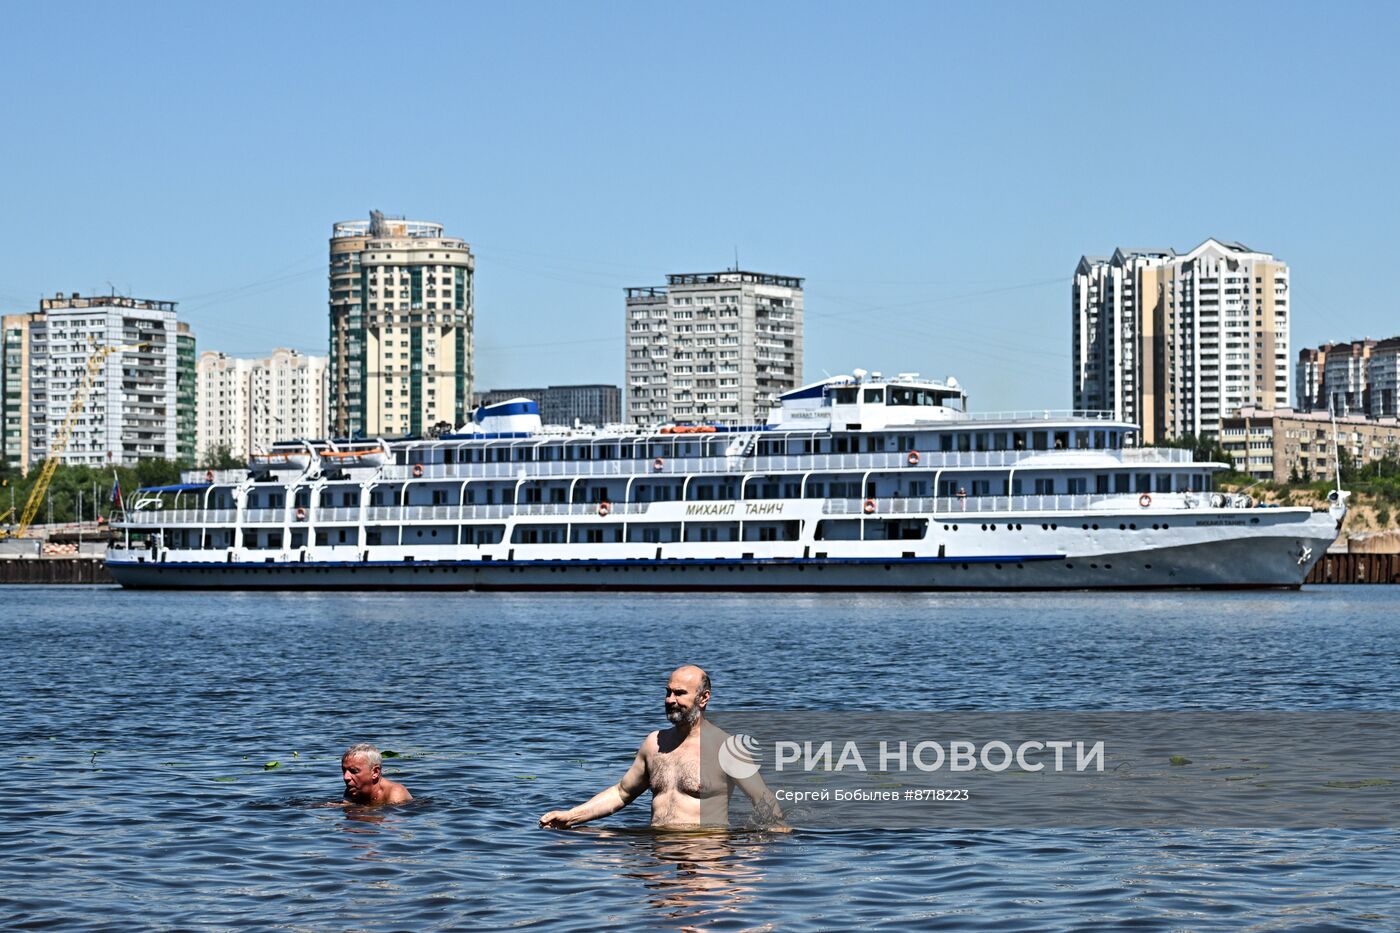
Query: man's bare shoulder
pixel 397 793
pixel 709 732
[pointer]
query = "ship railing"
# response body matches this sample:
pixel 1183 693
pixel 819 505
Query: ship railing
pixel 953 506
pixel 796 463
pixel 221 477
pixel 1157 455
pixel 178 517
pixel 1043 414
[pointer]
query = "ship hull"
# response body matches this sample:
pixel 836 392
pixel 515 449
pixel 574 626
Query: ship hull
pixel 1242 563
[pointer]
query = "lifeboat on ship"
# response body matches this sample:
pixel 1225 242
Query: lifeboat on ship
pixel 355 457
pixel 280 460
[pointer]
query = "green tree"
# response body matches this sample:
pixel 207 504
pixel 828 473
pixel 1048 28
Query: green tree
pixel 220 457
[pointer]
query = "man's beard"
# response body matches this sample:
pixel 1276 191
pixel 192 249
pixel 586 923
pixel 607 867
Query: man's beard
pixel 682 717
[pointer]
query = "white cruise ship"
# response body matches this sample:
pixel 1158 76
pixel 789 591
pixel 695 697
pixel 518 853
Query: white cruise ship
pixel 859 483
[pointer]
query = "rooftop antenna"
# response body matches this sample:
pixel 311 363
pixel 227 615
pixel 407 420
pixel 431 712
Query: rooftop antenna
pixel 736 257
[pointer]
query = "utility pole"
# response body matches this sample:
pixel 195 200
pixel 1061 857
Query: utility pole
pixel 80 523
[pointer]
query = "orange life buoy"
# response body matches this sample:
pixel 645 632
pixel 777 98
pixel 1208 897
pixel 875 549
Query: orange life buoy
pixel 913 458
pixel 604 509
pixel 209 476
pixel 417 470
pixel 869 506
pixel 1144 500
pixel 658 463
pixel 301 514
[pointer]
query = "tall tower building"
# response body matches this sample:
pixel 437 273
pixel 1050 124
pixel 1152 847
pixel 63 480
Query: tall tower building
pixel 1176 341
pixel 402 316
pixel 712 347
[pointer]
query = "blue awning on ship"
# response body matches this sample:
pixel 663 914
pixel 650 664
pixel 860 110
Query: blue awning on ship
pixel 179 487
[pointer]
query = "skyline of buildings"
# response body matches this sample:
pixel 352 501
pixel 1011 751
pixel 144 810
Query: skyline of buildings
pixel 714 346
pixel 1175 341
pixel 402 317
pixel 1359 377
pixel 1179 343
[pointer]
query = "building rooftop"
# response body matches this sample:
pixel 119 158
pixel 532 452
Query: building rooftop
pixel 733 277
pixel 61 303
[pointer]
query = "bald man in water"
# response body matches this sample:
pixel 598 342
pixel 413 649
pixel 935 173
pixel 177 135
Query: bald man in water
pixel 365 784
pixel 685 790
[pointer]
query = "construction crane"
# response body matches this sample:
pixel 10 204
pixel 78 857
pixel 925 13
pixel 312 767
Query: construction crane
pixel 59 442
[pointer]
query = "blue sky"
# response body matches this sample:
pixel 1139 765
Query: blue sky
pixel 934 171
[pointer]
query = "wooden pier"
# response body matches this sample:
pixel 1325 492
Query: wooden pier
pixel 1356 568
pixel 54 570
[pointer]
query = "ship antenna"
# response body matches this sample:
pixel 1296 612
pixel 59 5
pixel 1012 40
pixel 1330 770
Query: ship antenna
pixel 1336 448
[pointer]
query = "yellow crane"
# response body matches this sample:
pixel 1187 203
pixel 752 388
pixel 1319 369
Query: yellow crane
pixel 59 442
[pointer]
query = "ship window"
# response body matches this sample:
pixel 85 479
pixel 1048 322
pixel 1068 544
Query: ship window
pixel 945 442
pixel 1062 440
pixel 1077 485
pixel 1120 482
pixel 1045 487
pixel 1101 483
pixel 844 396
pixel 875 396
pixel 900 395
pixel 1039 440
pixel 1164 482
pixel 1144 482
pixel 981 442
pixel 838 530
pixel 1081 440
pixel 1019 440
pixel 1099 438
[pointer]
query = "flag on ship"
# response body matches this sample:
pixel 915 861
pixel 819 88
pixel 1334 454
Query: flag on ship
pixel 116 492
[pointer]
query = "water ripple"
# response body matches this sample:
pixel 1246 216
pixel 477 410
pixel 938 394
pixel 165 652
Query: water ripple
pixel 144 727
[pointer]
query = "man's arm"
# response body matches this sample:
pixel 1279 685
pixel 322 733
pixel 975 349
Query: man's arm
pixel 765 806
pixel 398 794
pixel 609 801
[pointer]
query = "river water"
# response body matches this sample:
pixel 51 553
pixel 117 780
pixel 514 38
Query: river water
pixel 139 729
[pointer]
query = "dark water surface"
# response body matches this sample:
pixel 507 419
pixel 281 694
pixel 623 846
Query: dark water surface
pixel 137 727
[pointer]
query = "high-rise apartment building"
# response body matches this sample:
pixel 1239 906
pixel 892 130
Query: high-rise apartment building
pixel 597 405
pixel 1175 341
pixel 14 391
pixel 132 411
pixel 712 347
pixel 247 405
pixel 1383 376
pixel 1344 379
pixel 1309 376
pixel 402 319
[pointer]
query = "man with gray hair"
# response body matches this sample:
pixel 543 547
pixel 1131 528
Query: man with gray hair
pixel 688 783
pixel 365 785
